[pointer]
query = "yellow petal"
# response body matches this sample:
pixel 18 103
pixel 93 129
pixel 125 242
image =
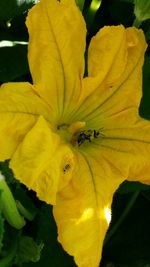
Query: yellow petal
pixel 19 109
pixel 13 128
pixel 56 53
pixel 116 82
pixel 107 54
pixel 126 143
pixel 42 162
pixel 80 210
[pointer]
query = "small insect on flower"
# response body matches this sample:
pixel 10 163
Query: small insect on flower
pixel 88 135
pixel 66 167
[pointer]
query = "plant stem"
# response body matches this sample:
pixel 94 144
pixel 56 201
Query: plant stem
pixel 26 214
pixel 80 3
pixel 91 12
pixel 137 23
pixel 9 207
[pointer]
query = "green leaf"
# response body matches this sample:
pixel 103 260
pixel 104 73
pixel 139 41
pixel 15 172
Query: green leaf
pixel 53 254
pixel 27 250
pixel 1 225
pixel 80 4
pixel 122 12
pixel 147 34
pixel 7 172
pixel 131 187
pixel 7 260
pixel 13 62
pixel 130 244
pixel 142 9
pixel 144 109
pixel 130 1
pixel 11 8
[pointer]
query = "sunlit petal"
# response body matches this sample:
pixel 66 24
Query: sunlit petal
pixel 107 212
pixel 80 210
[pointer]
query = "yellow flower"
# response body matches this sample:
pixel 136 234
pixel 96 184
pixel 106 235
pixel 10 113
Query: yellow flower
pixel 71 139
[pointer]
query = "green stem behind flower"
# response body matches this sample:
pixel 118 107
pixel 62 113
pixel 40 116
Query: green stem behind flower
pixel 91 12
pixel 122 217
pixel 9 207
pixel 27 214
pixel 137 23
pixel 80 4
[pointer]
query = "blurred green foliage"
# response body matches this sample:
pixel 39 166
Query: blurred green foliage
pixel 1 226
pixel 36 244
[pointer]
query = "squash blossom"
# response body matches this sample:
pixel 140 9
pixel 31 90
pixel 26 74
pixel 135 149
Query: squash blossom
pixel 74 140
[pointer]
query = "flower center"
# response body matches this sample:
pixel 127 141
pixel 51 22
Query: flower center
pixel 77 134
pixel 81 135
pixel 86 135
